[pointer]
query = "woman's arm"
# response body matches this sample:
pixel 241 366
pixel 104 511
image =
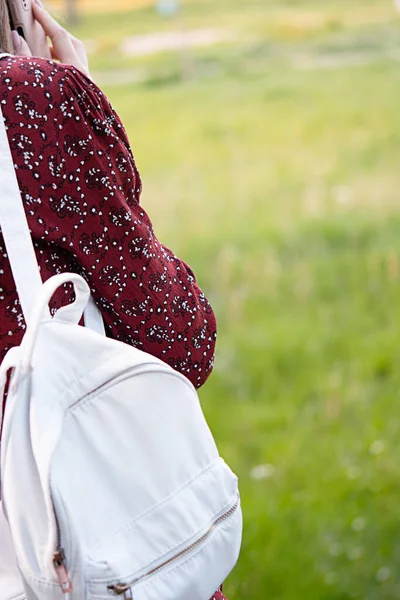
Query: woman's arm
pixel 82 190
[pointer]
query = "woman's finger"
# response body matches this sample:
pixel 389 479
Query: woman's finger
pixel 21 48
pixel 80 50
pixel 49 24
pixel 64 48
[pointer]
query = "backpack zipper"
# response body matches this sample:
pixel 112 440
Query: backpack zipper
pixel 125 588
pixel 147 367
pixel 62 571
pixel 59 561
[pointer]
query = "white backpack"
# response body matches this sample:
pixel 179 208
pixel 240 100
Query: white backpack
pixel 111 482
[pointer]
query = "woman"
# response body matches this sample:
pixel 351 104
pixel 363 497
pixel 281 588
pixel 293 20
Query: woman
pixel 81 190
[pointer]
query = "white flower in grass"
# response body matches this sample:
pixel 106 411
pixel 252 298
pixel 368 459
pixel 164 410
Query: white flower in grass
pixel 354 553
pixel 353 472
pixel 358 524
pixel 383 574
pixel 262 471
pixel 377 447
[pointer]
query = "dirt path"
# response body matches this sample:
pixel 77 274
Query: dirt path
pixel 141 45
pixel 100 6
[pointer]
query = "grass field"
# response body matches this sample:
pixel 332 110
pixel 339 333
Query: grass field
pixel 271 163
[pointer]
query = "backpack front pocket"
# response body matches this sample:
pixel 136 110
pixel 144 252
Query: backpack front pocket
pixel 188 551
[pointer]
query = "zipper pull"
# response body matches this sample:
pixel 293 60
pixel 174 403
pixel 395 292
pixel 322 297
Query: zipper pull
pixel 61 571
pixel 122 588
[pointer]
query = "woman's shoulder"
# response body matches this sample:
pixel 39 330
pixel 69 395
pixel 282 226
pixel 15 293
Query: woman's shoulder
pixel 30 71
pixel 39 77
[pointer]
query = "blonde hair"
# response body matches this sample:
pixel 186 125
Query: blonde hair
pixel 5 29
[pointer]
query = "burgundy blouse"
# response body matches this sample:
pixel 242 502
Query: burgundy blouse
pixel 81 190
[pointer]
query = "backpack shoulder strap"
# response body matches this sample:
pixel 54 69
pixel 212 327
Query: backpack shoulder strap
pixel 15 230
pixel 18 241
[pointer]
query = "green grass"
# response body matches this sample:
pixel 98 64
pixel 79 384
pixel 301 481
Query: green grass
pixel 271 164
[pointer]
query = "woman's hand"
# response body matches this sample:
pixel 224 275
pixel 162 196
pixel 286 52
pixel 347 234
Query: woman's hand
pixel 65 47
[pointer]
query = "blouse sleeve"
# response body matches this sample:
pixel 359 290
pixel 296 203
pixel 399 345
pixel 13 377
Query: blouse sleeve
pixel 90 191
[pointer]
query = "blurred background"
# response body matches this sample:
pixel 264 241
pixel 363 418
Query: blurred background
pixel 267 133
